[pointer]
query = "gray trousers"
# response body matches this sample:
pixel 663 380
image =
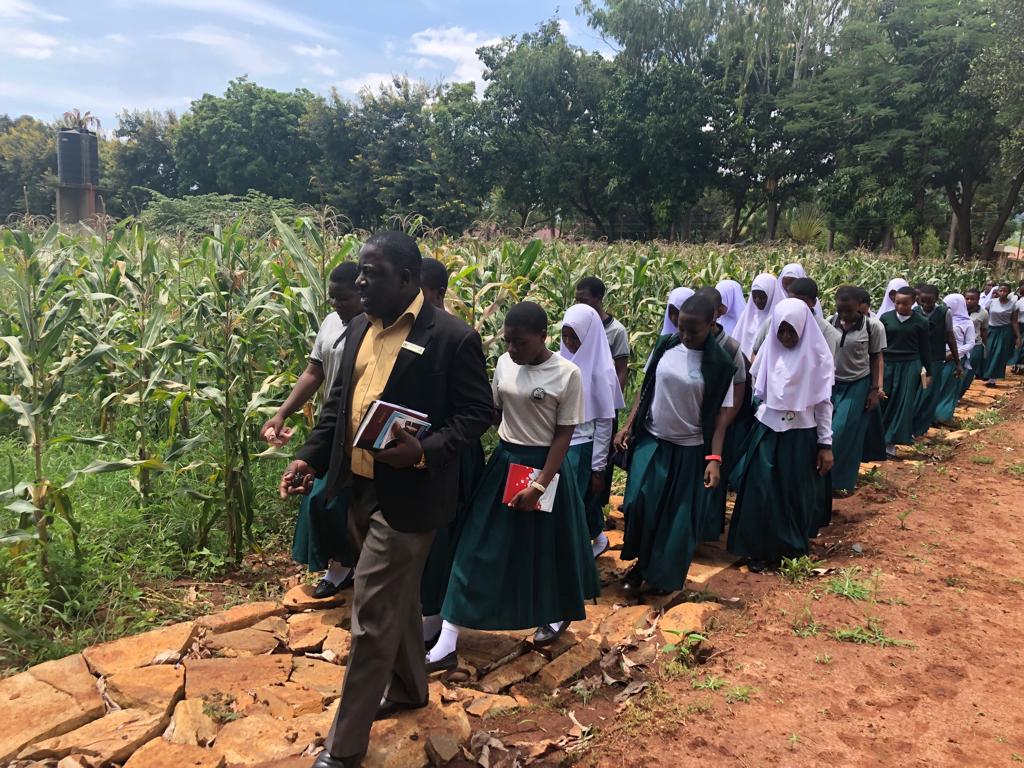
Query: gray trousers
pixel 387 653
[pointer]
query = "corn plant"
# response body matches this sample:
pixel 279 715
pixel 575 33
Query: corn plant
pixel 46 352
pixel 235 323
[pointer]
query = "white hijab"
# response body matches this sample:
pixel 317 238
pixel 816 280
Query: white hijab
pixel 675 299
pixel 797 271
pixel 601 392
pixel 894 285
pixel 732 299
pixel 957 306
pixel 752 318
pixel 799 378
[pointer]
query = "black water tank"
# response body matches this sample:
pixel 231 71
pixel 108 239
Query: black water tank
pixel 90 159
pixel 69 158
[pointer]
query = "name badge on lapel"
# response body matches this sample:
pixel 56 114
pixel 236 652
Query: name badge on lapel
pixel 416 349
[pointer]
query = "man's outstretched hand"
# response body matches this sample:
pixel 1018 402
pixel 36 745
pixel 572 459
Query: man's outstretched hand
pixel 297 479
pixel 405 451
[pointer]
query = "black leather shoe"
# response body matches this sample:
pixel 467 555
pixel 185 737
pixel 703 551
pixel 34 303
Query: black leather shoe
pixel 326 589
pixel 449 662
pixel 632 582
pixel 545 635
pixel 389 708
pixel 431 642
pixel 326 760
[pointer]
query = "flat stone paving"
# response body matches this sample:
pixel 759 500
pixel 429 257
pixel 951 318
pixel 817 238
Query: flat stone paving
pixel 258 684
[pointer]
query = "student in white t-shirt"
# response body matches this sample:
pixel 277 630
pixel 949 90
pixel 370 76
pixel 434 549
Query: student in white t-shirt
pixel 517 566
pixel 675 438
pixel 321 538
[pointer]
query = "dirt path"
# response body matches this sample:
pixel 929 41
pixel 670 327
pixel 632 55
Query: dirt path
pixel 939 547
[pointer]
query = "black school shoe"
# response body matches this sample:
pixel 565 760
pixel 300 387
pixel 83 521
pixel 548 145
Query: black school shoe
pixel 545 635
pixel 446 664
pixel 325 588
pixel 632 582
pixel 389 708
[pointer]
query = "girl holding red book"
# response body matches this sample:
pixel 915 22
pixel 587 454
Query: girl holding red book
pixel 516 566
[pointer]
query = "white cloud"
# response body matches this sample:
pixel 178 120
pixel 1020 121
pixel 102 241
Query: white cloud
pixel 313 51
pixel 368 80
pixel 23 9
pixel 239 50
pixel 455 45
pixel 118 38
pixel 565 27
pixel 26 44
pixel 258 12
pixel 324 70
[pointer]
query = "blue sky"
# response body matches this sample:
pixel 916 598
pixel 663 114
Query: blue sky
pixel 105 55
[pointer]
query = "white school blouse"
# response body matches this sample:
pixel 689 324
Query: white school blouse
pixel 818 416
pixel 534 399
pixel 679 396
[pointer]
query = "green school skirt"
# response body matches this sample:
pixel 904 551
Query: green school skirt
pixel 781 501
pixel 515 570
pixel 902 383
pixel 849 428
pixel 664 508
pixel 1017 358
pixel 947 397
pixel 438 568
pixel 928 399
pixel 714 515
pixel 1000 349
pixel 321 530
pixel 977 360
pixel 578 462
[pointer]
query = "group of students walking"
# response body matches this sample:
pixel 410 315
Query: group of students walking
pixel 758 393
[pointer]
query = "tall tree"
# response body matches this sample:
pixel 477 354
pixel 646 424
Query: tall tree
pixel 140 161
pixel 543 121
pixel 249 138
pixel 28 166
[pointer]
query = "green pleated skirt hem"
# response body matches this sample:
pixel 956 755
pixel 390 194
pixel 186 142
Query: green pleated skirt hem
pixel 928 399
pixel 1000 350
pixel 902 383
pixel 977 364
pixel 321 530
pixel 578 463
pixel 664 507
pixel 438 568
pixel 949 395
pixel 781 501
pixel 1017 356
pixel 849 428
pixel 515 570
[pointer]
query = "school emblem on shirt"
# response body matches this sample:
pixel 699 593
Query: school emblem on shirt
pixel 538 394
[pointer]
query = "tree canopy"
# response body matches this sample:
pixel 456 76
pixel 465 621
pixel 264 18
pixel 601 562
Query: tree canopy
pixel 887 119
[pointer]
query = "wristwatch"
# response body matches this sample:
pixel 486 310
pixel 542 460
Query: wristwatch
pixel 537 486
pixel 422 463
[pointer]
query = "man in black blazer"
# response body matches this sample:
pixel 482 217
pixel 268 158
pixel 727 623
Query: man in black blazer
pixel 405 352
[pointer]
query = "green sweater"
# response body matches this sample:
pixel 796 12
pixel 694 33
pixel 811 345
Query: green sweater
pixel 907 340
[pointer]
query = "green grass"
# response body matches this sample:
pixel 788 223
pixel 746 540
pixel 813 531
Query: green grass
pixel 708 683
pixel 872 634
pixel 847 585
pixel 1016 469
pixel 740 693
pixel 987 460
pixel 823 658
pixel 798 569
pixel 129 557
pixel 984 419
pixel 805 626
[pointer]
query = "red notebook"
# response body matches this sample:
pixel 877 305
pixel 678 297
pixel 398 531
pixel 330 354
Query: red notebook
pixel 520 477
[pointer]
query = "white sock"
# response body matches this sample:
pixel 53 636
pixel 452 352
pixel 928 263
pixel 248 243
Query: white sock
pixel 447 643
pixel 336 572
pixel 600 543
pixel 431 626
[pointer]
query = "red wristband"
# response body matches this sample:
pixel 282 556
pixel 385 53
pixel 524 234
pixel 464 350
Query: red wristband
pixel 713 457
